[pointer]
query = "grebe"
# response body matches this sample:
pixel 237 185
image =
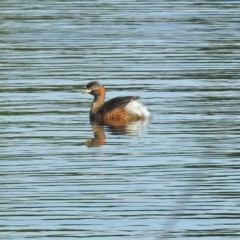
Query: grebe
pixel 124 109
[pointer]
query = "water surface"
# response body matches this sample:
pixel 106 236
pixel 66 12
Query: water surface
pixel 176 175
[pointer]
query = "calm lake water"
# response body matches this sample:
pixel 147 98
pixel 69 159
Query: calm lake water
pixel 176 176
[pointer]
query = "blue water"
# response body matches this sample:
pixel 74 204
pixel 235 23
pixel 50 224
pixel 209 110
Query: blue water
pixel 173 177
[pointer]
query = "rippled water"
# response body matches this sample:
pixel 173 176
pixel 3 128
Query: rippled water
pixel 175 176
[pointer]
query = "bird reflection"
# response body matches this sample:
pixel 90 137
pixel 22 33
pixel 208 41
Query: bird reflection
pixel 115 128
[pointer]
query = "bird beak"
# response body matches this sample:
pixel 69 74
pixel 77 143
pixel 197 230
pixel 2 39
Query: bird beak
pixel 86 91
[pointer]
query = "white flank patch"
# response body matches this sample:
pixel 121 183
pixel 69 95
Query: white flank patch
pixel 138 108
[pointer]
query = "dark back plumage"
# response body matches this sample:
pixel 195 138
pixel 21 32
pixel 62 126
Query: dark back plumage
pixel 117 102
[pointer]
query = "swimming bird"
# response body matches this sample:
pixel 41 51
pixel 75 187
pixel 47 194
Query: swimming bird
pixel 123 109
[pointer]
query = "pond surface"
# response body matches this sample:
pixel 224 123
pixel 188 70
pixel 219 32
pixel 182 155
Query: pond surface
pixel 173 177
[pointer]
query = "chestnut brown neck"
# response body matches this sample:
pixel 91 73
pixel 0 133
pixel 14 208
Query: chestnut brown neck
pixel 99 97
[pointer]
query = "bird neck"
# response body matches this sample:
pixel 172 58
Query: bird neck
pixel 98 100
